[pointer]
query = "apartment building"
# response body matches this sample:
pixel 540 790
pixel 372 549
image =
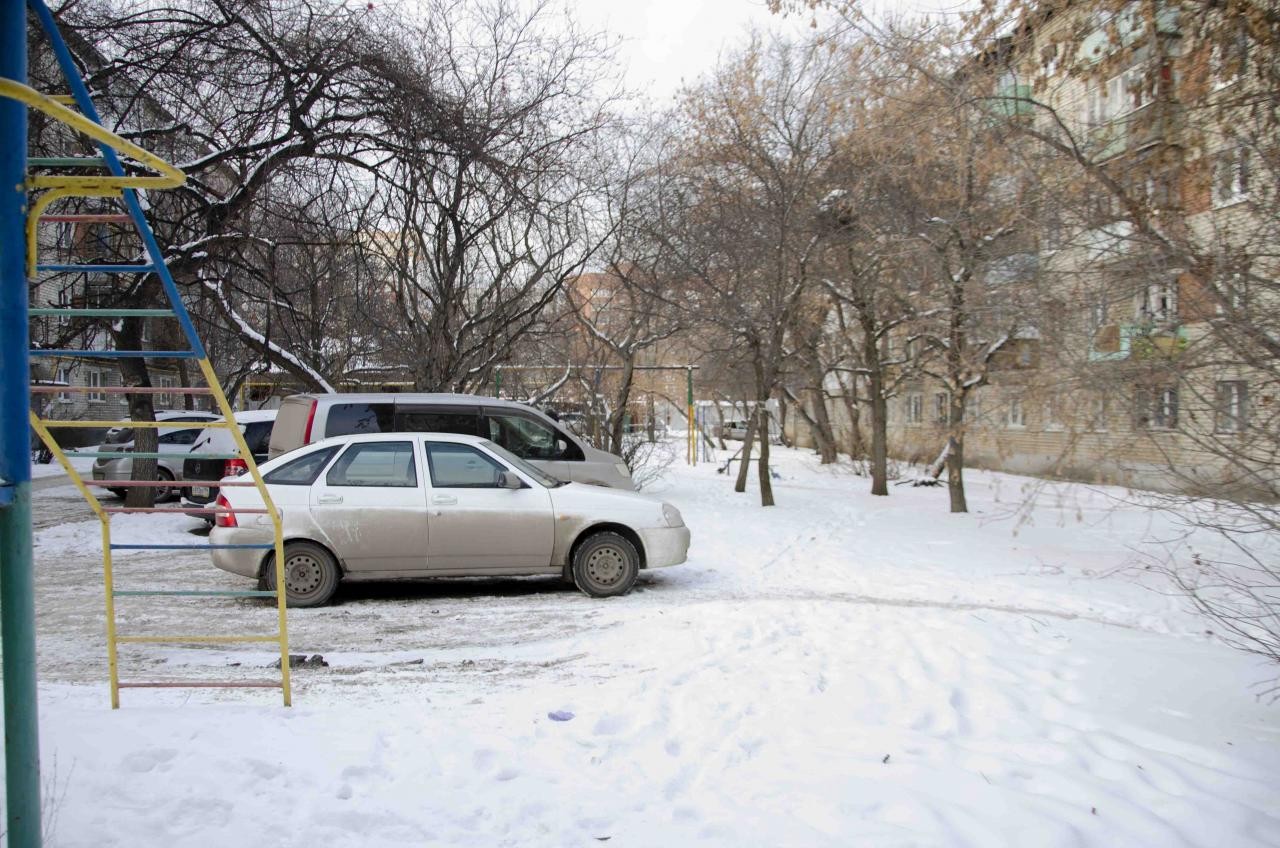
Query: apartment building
pixel 1148 362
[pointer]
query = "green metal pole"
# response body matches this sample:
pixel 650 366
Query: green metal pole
pixel 17 586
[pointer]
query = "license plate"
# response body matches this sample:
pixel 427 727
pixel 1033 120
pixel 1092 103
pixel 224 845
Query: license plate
pixel 201 491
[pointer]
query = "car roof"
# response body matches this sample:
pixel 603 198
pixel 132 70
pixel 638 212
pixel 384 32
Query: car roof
pixel 249 416
pixel 412 397
pixel 400 437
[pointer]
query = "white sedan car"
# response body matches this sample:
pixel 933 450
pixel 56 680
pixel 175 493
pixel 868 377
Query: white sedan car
pixel 437 505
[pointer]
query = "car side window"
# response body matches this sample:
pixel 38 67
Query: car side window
pixel 427 420
pixel 462 467
pixel 179 437
pixel 528 438
pixel 347 418
pixel 302 471
pixel 376 464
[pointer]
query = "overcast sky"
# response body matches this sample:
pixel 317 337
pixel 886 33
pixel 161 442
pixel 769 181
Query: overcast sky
pixel 670 41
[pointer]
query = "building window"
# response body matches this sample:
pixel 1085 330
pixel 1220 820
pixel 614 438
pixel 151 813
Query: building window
pixel 1231 176
pixel 1157 409
pixel 167 399
pixel 1119 96
pixel 1232 413
pixel 915 408
pixel 1159 302
pixel 1232 292
pixel 1229 57
pixel 62 376
pixel 1026 354
pixel 1098 413
pixel 942 407
pixel 973 408
pixel 95 379
pixel 1015 414
pixel 1053 414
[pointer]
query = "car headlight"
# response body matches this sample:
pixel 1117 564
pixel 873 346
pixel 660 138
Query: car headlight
pixel 621 468
pixel 672 515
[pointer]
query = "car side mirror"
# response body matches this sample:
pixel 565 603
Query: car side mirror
pixel 507 480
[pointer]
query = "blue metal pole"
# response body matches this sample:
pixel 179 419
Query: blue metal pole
pixel 17 586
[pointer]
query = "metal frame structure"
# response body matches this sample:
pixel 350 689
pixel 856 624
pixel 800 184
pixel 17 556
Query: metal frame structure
pixel 691 442
pixel 19 220
pixel 119 186
pixel 17 585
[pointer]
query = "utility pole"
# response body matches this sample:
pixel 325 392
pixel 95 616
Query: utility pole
pixel 17 585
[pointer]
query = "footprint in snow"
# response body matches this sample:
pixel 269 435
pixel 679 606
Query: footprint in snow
pixel 609 725
pixel 145 761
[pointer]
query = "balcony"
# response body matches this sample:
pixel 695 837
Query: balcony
pixel 1154 124
pixel 1138 341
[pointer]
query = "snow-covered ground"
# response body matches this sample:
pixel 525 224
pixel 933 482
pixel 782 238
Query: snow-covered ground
pixel 83 464
pixel 837 670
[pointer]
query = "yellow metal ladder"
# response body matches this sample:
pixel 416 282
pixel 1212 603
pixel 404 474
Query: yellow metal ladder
pixel 115 184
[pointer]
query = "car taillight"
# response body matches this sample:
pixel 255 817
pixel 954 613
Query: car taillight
pixel 224 519
pixel 311 419
pixel 234 468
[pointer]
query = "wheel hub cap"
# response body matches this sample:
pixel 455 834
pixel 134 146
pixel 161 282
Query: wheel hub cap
pixel 302 574
pixel 606 566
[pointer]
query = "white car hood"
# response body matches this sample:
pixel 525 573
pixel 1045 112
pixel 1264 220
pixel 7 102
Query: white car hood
pixel 583 497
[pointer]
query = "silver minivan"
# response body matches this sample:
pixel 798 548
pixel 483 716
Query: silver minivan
pixel 521 429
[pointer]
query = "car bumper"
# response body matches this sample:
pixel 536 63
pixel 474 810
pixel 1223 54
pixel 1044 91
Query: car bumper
pixel 243 561
pixel 113 469
pixel 665 546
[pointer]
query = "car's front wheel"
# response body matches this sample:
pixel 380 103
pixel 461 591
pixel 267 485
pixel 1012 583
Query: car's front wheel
pixel 606 564
pixel 311 575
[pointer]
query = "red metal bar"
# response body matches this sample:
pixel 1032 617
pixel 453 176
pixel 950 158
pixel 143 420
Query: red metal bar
pixel 124 390
pixel 188 510
pixel 89 218
pixel 161 484
pixel 178 684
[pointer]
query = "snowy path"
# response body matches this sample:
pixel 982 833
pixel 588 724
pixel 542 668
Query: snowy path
pixel 838 670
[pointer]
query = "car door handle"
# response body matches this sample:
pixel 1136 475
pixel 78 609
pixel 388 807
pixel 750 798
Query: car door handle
pixel 329 499
pixel 443 499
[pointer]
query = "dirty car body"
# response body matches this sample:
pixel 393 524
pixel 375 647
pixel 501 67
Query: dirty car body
pixel 442 505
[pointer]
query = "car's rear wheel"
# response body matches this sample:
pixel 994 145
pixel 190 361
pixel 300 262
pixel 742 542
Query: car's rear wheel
pixel 606 564
pixel 164 493
pixel 310 575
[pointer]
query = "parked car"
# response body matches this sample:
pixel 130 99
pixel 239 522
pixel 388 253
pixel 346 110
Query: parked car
pixel 173 444
pixel 734 430
pixel 523 430
pixel 255 425
pixel 439 505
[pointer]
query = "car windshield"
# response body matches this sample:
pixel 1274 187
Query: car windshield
pixel 533 471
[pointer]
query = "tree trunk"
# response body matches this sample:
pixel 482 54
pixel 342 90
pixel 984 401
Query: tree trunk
pixel 184 379
pixel 879 440
pixel 822 432
pixel 720 428
pixel 745 456
pixel 618 420
pixel 766 484
pixel 955 454
pixel 782 417
pixel 133 371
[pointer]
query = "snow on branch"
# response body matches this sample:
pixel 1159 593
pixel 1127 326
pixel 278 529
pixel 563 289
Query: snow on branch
pixel 250 333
